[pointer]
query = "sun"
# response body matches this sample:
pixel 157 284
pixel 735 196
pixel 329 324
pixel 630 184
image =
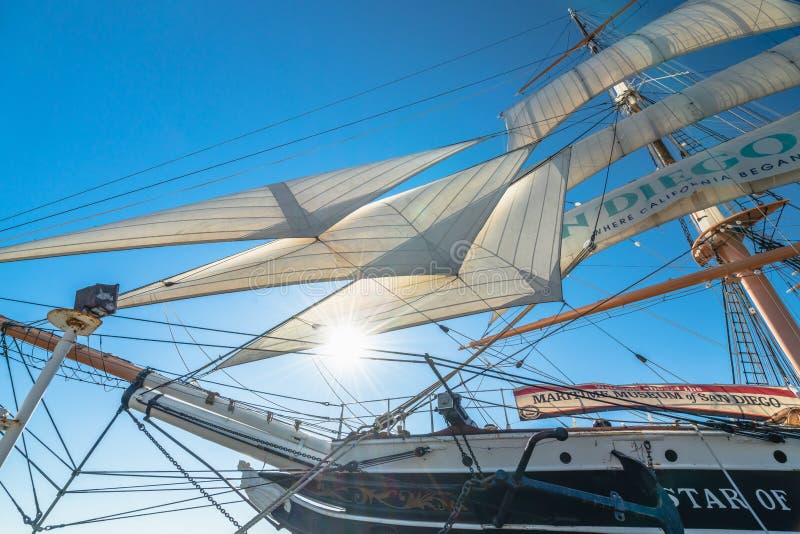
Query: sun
pixel 345 343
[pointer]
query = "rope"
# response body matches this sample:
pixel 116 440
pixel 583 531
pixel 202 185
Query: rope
pixel 24 441
pixel 46 409
pixel 25 517
pixel 730 479
pixel 292 117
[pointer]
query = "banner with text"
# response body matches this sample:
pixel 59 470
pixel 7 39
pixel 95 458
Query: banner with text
pixel 759 402
pixel 770 151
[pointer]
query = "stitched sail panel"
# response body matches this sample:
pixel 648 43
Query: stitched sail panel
pixel 303 207
pixel 414 232
pixel 513 260
pixel 690 27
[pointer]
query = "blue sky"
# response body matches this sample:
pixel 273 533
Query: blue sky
pixel 95 91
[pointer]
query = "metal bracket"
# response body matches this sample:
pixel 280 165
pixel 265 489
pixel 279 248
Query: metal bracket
pixel 6 423
pixel 619 506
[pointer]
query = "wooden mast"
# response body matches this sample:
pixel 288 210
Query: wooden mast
pixel 726 249
pixel 101 361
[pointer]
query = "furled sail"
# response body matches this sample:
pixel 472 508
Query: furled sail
pixel 689 27
pixel 770 72
pixel 299 260
pixel 765 158
pixel 303 207
pixel 512 260
pixel 420 231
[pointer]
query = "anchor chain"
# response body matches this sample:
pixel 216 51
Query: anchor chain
pixel 467 459
pixel 458 507
pixel 185 473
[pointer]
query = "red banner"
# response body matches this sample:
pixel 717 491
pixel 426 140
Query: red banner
pixel 760 402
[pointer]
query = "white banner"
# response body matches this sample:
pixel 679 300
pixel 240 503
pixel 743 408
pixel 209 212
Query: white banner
pixel 767 152
pixel 759 402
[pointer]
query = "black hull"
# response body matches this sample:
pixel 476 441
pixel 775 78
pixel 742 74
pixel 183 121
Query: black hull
pixel 417 503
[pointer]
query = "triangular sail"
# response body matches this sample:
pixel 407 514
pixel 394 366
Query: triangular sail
pixel 689 27
pixel 421 231
pixel 765 158
pixel 303 207
pixel 513 260
pixel 337 255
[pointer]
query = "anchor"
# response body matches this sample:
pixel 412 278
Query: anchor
pixel 505 488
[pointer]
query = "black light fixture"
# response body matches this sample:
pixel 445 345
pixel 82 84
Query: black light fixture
pixel 99 300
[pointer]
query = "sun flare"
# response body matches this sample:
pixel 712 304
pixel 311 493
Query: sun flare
pixel 345 343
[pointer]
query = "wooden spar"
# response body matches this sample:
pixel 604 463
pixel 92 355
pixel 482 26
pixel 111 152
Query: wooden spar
pixel 582 42
pixel 80 353
pixel 721 271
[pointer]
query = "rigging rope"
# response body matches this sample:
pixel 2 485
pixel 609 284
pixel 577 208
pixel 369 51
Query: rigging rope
pixel 24 440
pixel 272 148
pixel 291 118
pixel 43 402
pixel 730 479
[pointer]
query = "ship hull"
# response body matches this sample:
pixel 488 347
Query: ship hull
pixel 762 488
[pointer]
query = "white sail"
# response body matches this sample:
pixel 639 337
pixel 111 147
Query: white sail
pixel 421 231
pixel 764 158
pixel 337 255
pixel 768 156
pixel 513 260
pixel 303 207
pixel 770 72
pixel 689 27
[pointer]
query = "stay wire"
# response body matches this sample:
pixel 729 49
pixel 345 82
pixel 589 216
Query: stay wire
pixel 287 119
pixel 25 517
pixel 294 141
pixel 567 323
pixel 605 179
pixel 204 463
pixel 24 440
pixel 226 373
pixel 644 360
pixel 151 510
pixel 45 406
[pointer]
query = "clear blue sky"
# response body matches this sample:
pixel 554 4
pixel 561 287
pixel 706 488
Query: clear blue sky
pixel 94 91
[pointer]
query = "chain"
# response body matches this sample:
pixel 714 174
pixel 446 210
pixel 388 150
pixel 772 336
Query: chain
pixel 457 508
pixel 686 233
pixel 648 451
pixel 465 458
pixel 472 454
pixel 185 473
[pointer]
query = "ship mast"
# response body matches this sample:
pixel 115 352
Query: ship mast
pixel 715 240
